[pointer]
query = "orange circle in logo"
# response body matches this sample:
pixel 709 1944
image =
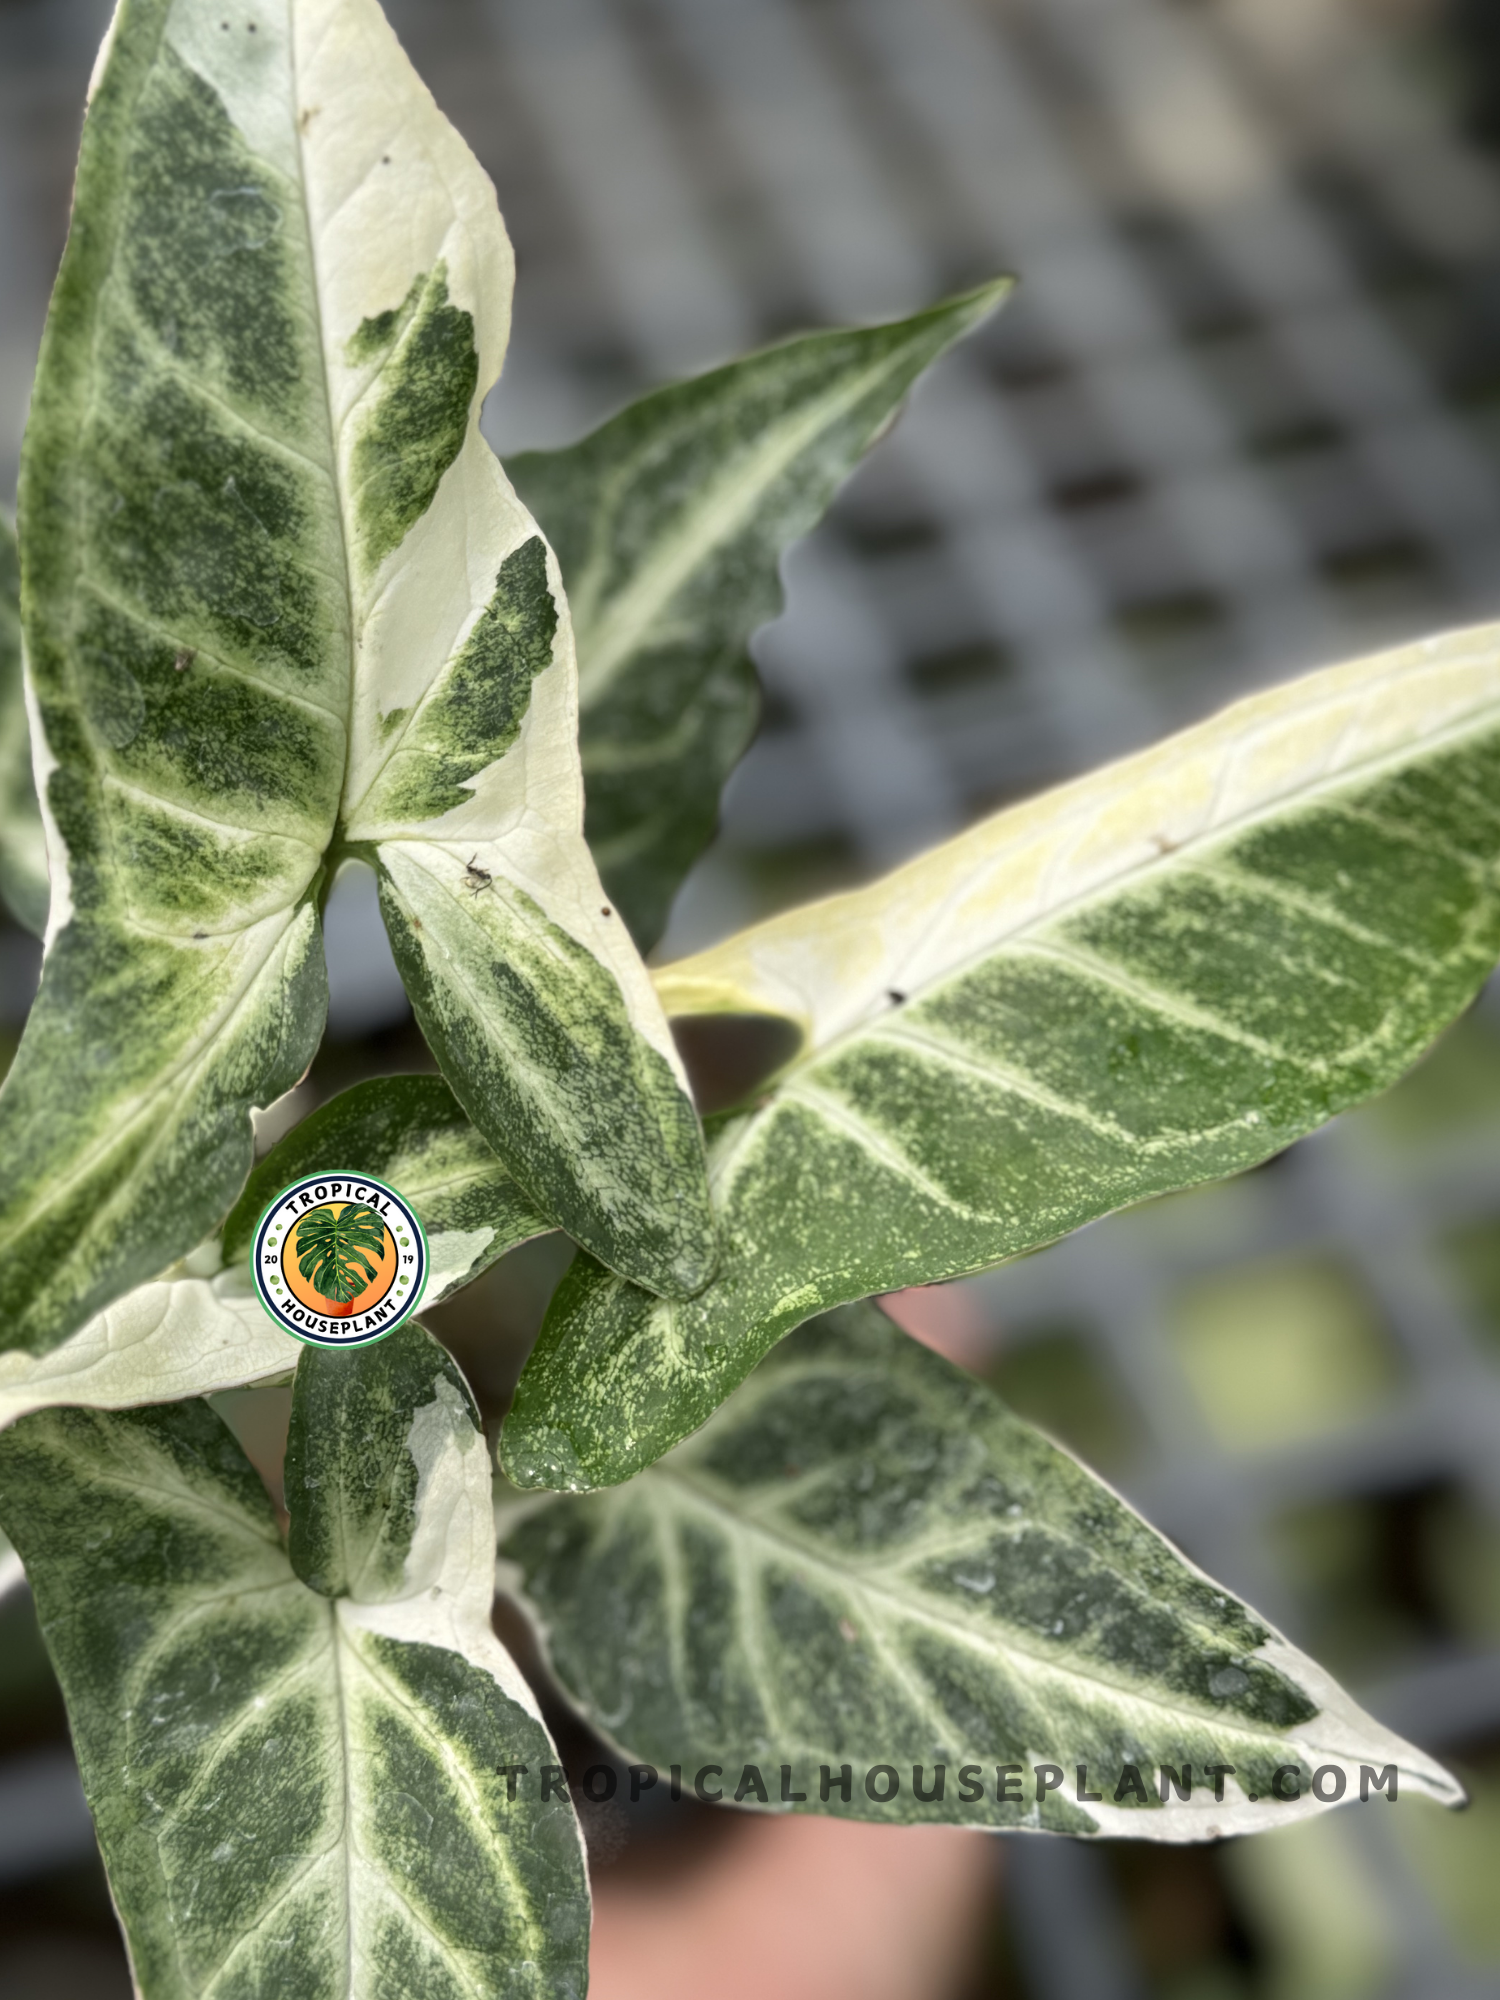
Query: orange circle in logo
pixel 385 1267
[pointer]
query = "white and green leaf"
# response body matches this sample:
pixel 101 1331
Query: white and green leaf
pixel 410 1132
pixel 670 522
pixel 295 1793
pixel 180 1335
pixel 1156 976
pixel 281 605
pixel 23 845
pixel 865 1559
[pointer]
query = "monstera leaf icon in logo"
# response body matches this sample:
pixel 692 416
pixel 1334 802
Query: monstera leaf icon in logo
pixel 339 1260
pixel 334 1248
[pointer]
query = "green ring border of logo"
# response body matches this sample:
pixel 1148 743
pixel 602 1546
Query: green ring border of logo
pixel 326 1346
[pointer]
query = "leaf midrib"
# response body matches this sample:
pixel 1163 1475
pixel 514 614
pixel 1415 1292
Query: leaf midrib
pixel 606 643
pixel 1182 857
pixel 919 1607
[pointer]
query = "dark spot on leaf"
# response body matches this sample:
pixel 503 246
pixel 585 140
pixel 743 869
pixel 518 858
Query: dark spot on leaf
pixel 896 999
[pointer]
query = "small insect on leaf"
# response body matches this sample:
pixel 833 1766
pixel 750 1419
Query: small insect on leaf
pixel 477 879
pixel 332 1246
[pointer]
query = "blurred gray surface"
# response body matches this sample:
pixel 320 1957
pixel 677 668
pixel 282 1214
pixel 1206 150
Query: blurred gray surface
pixel 1243 417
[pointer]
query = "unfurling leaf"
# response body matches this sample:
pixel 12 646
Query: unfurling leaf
pixel 1156 976
pixel 23 845
pixel 296 1795
pixel 866 1561
pixel 281 601
pixel 670 522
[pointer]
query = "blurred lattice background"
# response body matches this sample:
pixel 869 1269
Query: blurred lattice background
pixel 1243 417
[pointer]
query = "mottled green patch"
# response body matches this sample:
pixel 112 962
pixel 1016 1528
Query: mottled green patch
pixel 535 1037
pixel 127 1126
pixel 473 712
pixel 414 426
pixel 351 1472
pixel 866 1559
pixel 670 522
pixel 187 626
pixel 23 855
pixel 508 1910
pixel 285 1801
pixel 410 1132
pixel 1161 1035
pixel 375 336
pixel 179 873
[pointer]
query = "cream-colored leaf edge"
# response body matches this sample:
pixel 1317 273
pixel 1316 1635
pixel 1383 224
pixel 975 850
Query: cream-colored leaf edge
pixel 837 965
pixel 186 1335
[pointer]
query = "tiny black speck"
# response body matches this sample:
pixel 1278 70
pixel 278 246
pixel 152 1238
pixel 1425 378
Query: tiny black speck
pixel 896 999
pixel 1253 1797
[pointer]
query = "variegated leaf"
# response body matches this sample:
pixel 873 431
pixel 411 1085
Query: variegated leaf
pixel 669 522
pixel 281 599
pixel 295 1794
pixel 23 847
pixel 866 1560
pixel 1158 975
pixel 409 1132
pixel 180 1335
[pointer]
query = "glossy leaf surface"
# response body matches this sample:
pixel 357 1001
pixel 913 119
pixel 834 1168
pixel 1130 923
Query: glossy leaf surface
pixel 670 521
pixel 865 1559
pixel 281 602
pixel 293 1794
pixel 1156 976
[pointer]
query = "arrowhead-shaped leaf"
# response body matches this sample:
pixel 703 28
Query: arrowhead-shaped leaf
pixel 23 846
pixel 294 1795
pixel 1158 975
pixel 670 521
pixel 867 1560
pixel 410 1132
pixel 280 600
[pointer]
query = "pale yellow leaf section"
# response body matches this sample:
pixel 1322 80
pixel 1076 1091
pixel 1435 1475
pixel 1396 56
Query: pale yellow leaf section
pixel 834 965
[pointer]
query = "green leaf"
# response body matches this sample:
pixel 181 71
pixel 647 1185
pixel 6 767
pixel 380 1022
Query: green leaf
pixel 364 1424
pixel 293 1795
pixel 282 606
pixel 669 522
pixel 1156 976
pixel 866 1559
pixel 334 1250
pixel 409 1132
pixel 23 845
